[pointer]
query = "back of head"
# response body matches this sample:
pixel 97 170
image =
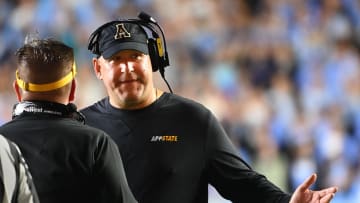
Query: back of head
pixel 44 65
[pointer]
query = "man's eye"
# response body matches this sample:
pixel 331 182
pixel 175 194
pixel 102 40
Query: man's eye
pixel 116 58
pixel 113 59
pixel 135 56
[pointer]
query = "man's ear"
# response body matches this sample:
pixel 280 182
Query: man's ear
pixel 97 67
pixel 17 90
pixel 72 91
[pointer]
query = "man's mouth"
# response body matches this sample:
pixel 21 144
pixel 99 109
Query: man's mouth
pixel 128 81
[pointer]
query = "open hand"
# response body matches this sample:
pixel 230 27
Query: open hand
pixel 303 194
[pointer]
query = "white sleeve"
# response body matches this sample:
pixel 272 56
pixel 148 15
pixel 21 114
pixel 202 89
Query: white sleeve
pixel 25 194
pixel 26 189
pixel 8 169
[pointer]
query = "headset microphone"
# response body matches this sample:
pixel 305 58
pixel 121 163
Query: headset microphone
pixel 146 17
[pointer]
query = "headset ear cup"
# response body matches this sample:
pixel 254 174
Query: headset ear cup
pixel 154 55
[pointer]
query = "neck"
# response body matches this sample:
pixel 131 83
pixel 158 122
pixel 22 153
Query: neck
pixel 158 94
pixel 46 98
pixel 133 105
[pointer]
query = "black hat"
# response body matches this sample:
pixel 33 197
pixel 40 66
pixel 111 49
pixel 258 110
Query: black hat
pixel 119 36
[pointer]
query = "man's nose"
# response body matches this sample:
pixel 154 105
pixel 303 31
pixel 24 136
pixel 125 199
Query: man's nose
pixel 126 67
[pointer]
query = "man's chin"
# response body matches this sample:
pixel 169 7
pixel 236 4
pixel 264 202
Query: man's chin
pixel 132 102
pixel 131 96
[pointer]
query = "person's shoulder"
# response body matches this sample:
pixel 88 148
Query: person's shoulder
pixel 181 100
pixel 6 125
pixel 89 130
pixel 185 103
pixel 97 107
pixel 7 128
pixel 88 134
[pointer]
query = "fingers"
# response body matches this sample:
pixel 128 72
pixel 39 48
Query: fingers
pixel 327 198
pixel 307 183
pixel 326 191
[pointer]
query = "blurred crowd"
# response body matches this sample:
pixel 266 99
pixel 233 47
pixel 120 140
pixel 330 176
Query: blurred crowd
pixel 283 76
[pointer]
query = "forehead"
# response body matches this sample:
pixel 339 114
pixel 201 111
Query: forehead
pixel 128 52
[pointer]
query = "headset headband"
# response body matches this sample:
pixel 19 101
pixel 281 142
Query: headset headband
pixel 47 86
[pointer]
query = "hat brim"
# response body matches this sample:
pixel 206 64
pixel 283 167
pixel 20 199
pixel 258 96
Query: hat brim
pixel 125 46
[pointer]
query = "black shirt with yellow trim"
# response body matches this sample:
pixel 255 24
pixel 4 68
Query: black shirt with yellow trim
pixel 174 148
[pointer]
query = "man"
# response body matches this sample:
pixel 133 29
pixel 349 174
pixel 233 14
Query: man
pixel 172 147
pixel 69 161
pixel 15 180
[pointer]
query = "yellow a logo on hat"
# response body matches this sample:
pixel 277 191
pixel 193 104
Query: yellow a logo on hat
pixel 121 32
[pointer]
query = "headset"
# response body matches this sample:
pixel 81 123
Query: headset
pixel 156 44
